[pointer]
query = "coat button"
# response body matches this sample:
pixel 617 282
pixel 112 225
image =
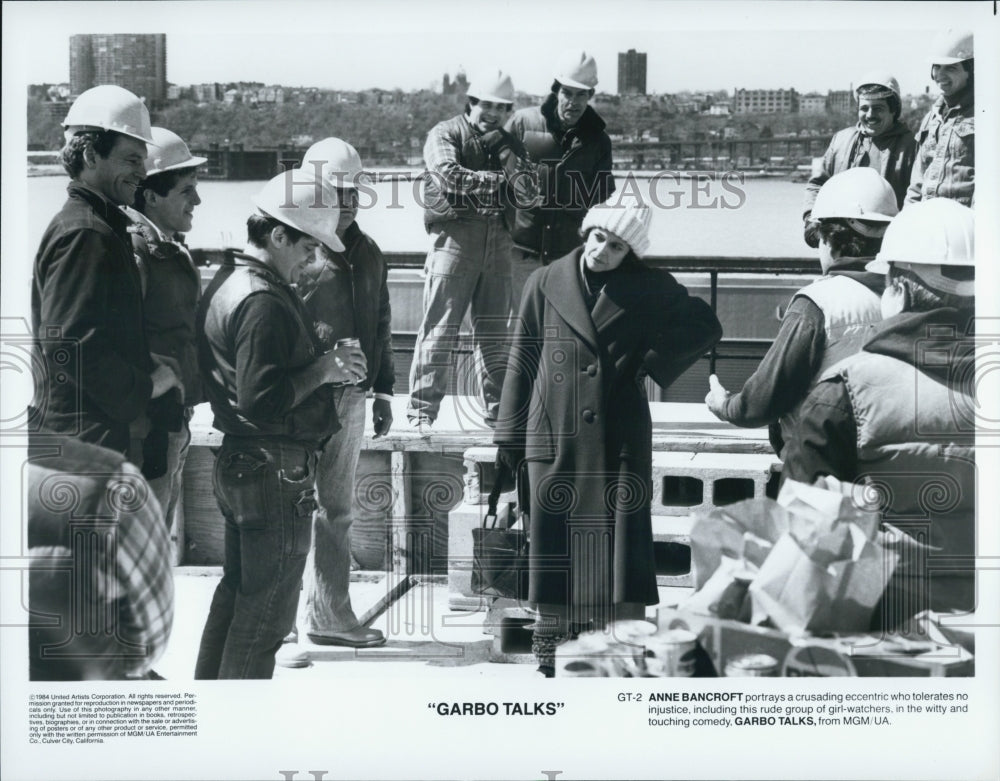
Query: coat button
pixel 588 416
pixel 592 370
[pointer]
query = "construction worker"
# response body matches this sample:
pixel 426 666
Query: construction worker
pixel 946 154
pixel 900 415
pixel 565 138
pixel 347 295
pixel 171 286
pixel 86 301
pixel 270 385
pixel 879 140
pixel 828 319
pixel 468 267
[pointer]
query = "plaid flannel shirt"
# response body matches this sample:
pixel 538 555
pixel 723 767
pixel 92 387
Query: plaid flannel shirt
pixel 442 155
pixel 144 578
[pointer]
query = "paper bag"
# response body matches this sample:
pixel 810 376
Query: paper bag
pixel 744 531
pixel 828 572
pixel 725 594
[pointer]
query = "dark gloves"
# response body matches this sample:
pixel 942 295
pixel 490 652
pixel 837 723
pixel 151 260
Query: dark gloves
pixel 506 465
pixel 496 142
pixel 811 231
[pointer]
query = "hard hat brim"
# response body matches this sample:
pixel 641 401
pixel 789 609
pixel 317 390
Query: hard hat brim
pixel 331 240
pixel 194 162
pixel 71 130
pixel 948 60
pixel 567 82
pixel 490 98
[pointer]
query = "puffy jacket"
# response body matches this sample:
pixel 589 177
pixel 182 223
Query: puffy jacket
pixel 946 154
pixel 892 154
pixel 86 314
pixel 850 312
pixel 354 302
pixel 252 393
pixel 574 169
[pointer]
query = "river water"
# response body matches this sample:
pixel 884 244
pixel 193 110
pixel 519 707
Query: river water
pixel 758 218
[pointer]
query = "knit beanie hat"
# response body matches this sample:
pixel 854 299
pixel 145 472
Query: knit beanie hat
pixel 627 218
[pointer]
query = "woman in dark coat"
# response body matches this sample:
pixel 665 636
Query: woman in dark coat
pixel 591 324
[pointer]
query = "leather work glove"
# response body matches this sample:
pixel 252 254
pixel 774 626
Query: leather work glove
pixel 810 231
pixel 495 142
pixel 381 417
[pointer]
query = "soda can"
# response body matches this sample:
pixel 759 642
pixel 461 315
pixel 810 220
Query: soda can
pixel 751 666
pixel 627 646
pixel 671 654
pixel 349 341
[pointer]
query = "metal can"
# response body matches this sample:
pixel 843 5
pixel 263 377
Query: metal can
pixel 671 654
pixel 626 646
pixel 585 657
pixel 751 666
pixel 349 341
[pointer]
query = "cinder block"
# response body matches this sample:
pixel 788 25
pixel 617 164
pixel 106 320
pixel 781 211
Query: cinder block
pixel 480 472
pixel 685 482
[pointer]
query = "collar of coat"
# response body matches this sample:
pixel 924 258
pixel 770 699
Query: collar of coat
pixel 588 126
pixel 562 285
pixel 106 210
pixel 965 102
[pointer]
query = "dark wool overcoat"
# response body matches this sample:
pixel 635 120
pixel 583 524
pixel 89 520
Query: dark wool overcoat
pixel 574 405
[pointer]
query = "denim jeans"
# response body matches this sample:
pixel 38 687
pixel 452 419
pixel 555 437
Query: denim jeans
pixel 265 489
pixel 167 488
pixel 468 268
pixel 328 570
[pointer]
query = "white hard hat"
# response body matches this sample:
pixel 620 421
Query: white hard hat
pixel 107 107
pixel 951 46
pixel 495 87
pixel 336 161
pixel 169 153
pixel 929 237
pixel 304 201
pixel 880 78
pixel 576 69
pixel 857 194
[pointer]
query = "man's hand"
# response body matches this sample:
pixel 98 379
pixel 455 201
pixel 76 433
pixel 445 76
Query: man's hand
pixel 323 331
pixel 716 398
pixel 344 365
pixel 495 142
pixel 381 417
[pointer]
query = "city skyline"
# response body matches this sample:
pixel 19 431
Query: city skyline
pixel 683 55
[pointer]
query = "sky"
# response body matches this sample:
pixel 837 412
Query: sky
pixel 382 43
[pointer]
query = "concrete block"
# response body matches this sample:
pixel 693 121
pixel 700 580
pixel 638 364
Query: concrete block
pixel 685 482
